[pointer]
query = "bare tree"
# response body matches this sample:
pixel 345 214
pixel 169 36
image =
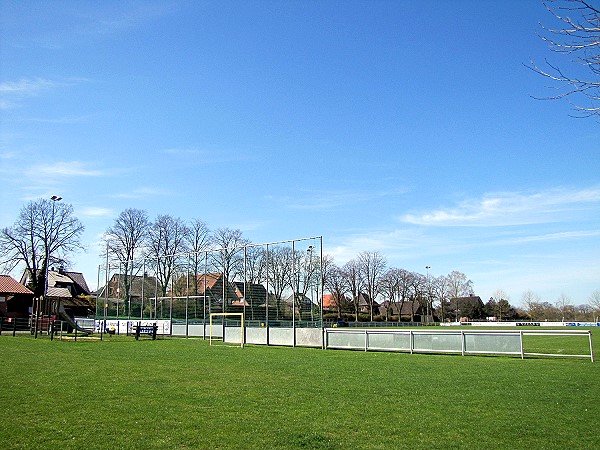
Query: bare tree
pixel 336 283
pixel 351 271
pixel 125 242
pixel 371 268
pixel 529 301
pixel 197 242
pixel 441 292
pixel 255 265
pixel 594 300
pixel 563 304
pixel 228 255
pixel 45 233
pixel 405 284
pixel 459 286
pixel 500 304
pixel 280 273
pixel 167 238
pixel 390 282
pixel 419 289
pixel 577 37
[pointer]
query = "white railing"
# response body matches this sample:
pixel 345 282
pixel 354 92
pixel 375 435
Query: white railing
pixel 504 342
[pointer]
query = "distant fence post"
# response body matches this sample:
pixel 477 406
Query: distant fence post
pixel 1 323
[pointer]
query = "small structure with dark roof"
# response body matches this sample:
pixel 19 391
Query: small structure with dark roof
pixel 16 300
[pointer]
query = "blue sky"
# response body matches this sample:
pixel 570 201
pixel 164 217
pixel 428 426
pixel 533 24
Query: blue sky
pixel 404 127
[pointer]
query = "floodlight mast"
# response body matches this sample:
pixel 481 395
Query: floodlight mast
pixel 54 198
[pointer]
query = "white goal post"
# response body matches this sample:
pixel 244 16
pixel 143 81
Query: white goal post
pixel 222 324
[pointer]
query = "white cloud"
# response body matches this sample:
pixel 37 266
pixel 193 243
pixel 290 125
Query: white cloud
pixel 97 212
pixel 62 169
pixel 511 208
pixel 26 86
pixel 561 236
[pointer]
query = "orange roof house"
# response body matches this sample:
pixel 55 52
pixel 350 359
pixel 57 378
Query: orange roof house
pixel 15 299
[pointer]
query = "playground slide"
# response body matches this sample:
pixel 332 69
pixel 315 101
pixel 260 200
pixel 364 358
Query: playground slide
pixel 63 314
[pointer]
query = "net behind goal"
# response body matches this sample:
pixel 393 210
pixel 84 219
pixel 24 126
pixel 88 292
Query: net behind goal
pixel 226 329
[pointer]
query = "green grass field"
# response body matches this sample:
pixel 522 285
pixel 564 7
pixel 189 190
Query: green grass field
pixel 176 393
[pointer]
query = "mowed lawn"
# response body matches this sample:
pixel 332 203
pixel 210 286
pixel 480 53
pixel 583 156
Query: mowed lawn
pixel 177 393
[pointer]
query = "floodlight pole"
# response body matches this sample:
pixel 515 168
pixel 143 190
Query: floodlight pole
pixel 428 292
pixel 54 198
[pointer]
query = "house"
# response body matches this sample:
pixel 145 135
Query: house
pixel 65 290
pixel 364 304
pixel 467 308
pixel 332 302
pixel 250 294
pixel 213 288
pixel 301 304
pixel 16 300
pixel 139 286
pixel 409 310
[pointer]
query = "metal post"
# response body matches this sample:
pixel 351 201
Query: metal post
pixel 142 289
pixel 591 348
pixel 295 292
pixel 187 296
pixel 245 294
pixel 204 297
pixel 521 337
pixel 267 299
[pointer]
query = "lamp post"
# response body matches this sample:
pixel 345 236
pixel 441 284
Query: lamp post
pixel 428 292
pixel 54 198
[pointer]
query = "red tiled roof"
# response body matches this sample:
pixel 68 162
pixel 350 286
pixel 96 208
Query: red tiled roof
pixel 8 285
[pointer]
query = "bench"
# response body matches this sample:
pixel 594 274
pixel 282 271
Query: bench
pixel 145 330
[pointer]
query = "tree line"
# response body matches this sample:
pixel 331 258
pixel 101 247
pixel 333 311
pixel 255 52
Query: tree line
pixel 47 232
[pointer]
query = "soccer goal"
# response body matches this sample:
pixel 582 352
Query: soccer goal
pixel 223 328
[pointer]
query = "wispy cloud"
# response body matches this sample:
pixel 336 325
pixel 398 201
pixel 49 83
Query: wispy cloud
pixel 62 169
pixel 95 211
pixel 13 93
pixel 511 208
pixel 26 86
pixel 125 18
pixel 561 236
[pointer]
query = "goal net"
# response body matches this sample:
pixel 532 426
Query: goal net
pixel 226 329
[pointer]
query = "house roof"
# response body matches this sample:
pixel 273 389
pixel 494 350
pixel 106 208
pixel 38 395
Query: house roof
pixel 472 299
pixel 331 300
pixel 59 292
pixel 253 291
pixel 78 278
pixel 8 285
pixel 409 307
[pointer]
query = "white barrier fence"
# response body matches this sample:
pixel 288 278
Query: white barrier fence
pixel 121 326
pixel 521 324
pixel 500 342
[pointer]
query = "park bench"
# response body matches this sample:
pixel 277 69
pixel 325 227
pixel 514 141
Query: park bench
pixel 145 330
